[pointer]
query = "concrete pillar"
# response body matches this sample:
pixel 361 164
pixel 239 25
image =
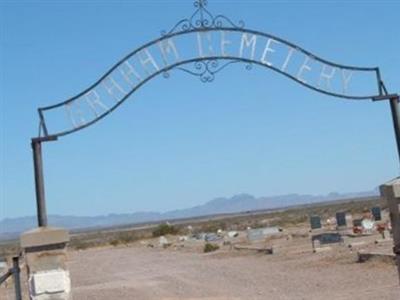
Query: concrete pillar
pixel 390 193
pixel 46 257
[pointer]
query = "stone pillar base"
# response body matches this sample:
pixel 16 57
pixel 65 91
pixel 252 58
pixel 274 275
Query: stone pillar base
pixel 390 193
pixel 46 257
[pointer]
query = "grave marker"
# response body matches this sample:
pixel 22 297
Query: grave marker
pixel 326 238
pixel 261 233
pixel 341 219
pixel 376 212
pixel 315 222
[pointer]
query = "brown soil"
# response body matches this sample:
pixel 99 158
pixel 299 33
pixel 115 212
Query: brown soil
pixel 183 272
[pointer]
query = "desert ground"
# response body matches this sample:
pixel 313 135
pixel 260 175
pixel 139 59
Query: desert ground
pixel 146 271
pixel 129 263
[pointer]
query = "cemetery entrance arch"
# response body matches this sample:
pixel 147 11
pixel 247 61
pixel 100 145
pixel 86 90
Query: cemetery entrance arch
pixel 202 45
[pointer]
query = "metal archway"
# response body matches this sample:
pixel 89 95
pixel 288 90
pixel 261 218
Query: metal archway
pixel 205 31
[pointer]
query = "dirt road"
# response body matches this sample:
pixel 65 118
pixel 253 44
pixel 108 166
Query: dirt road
pixel 142 273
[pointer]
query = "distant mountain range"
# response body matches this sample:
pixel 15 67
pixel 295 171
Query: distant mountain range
pixel 11 228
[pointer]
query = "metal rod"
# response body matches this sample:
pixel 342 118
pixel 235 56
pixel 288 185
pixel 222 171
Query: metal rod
pixel 17 280
pixel 394 106
pixel 392 201
pixel 4 277
pixel 208 29
pixel 39 182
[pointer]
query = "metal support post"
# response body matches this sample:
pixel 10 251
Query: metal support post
pixel 391 191
pixel 394 106
pixel 39 182
pixel 39 179
pixel 17 279
pixel 392 201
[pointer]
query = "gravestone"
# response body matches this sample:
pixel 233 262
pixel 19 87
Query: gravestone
pixel 357 222
pixel 325 238
pixel 262 233
pixel 341 219
pixel 212 237
pixel 376 212
pixel 315 222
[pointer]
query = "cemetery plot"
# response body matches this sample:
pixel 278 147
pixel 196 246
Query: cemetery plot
pixel 227 273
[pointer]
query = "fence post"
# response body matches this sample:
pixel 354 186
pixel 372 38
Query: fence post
pixel 17 279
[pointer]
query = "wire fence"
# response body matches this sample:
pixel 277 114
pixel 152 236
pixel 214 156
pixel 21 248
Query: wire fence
pixel 12 275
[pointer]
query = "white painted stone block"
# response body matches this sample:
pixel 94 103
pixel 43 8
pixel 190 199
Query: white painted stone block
pixel 396 190
pixel 51 282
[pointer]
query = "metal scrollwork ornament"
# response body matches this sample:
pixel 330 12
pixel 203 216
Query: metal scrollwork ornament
pixel 206 69
pixel 202 18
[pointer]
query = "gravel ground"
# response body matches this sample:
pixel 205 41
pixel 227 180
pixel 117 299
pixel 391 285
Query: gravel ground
pixel 293 272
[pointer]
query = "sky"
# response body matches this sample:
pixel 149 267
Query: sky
pixel 178 142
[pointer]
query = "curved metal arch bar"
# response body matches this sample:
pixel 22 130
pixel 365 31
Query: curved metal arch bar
pixel 188 61
pixel 171 67
pixel 165 37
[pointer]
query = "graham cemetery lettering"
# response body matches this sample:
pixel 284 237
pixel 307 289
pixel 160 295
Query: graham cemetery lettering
pixel 203 51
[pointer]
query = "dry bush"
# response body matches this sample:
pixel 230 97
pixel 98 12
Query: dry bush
pixel 164 229
pixel 213 226
pixel 208 247
pixel 114 243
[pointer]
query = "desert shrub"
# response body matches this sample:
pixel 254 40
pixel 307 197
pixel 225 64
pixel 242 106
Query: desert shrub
pixel 213 227
pixel 80 245
pixel 257 224
pixel 124 238
pixel 164 229
pixel 114 242
pixel 208 247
